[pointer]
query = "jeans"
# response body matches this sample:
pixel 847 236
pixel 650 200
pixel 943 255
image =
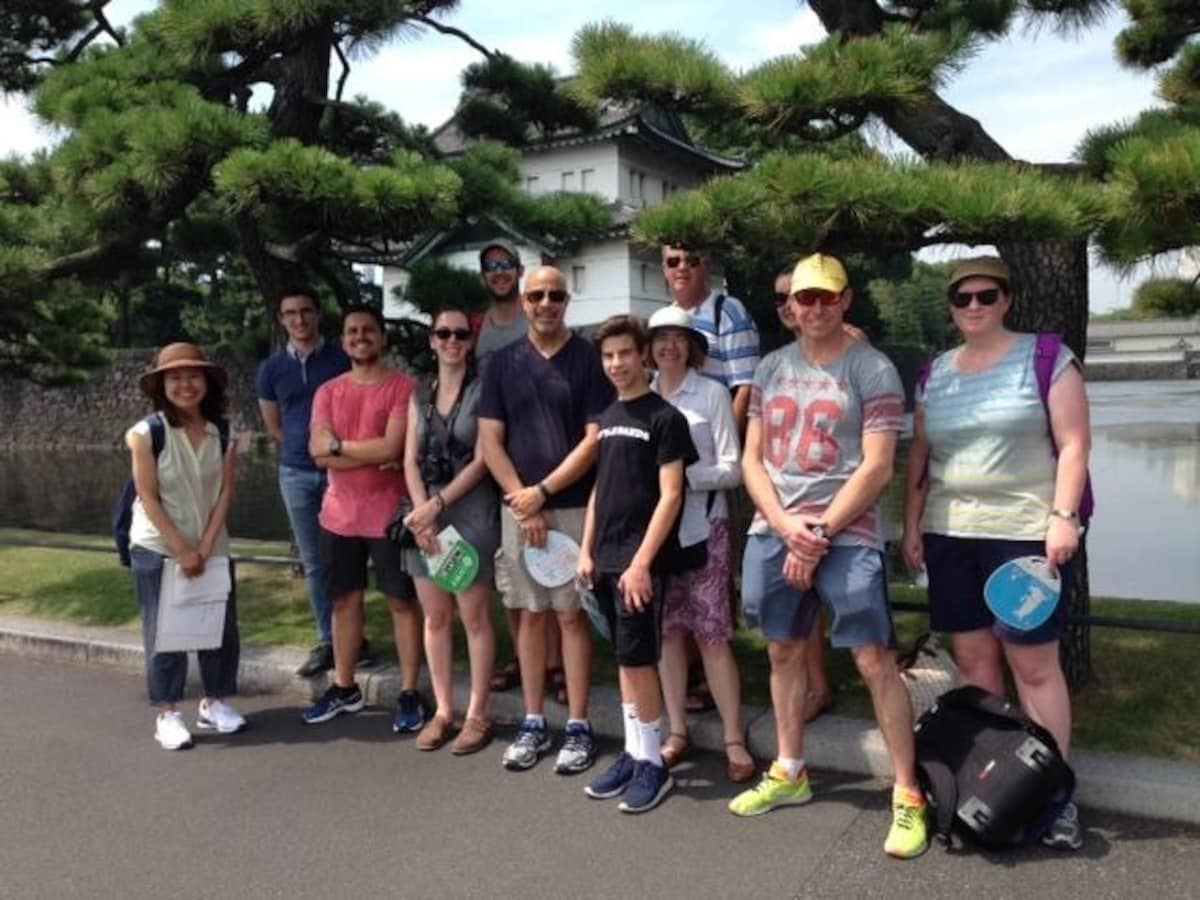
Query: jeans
pixel 166 673
pixel 303 490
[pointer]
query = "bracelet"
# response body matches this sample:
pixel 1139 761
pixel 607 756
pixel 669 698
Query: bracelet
pixel 544 491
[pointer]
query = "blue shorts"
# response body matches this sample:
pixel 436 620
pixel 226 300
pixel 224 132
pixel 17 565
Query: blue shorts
pixel 958 569
pixel 850 581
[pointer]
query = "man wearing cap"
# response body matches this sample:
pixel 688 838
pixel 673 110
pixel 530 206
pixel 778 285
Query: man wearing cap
pixel 538 413
pixel 286 383
pixel 825 413
pixel 723 320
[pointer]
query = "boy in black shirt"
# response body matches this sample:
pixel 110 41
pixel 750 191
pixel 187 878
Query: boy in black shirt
pixel 630 542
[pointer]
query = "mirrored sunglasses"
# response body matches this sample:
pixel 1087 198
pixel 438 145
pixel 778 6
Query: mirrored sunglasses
pixel 499 265
pixel 813 297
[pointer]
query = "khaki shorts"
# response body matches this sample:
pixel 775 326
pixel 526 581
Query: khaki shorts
pixel 512 578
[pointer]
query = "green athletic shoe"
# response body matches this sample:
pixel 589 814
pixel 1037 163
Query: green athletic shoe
pixel 775 789
pixel 909 836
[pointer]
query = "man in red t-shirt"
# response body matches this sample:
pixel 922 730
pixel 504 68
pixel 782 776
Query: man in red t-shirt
pixel 357 435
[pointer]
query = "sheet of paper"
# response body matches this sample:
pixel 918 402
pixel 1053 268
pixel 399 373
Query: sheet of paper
pixel 191 611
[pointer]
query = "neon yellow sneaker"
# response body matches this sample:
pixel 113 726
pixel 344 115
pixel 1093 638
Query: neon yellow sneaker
pixel 775 789
pixel 909 836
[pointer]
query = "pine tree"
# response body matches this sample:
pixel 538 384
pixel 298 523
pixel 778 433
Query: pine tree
pixel 1135 189
pixel 162 126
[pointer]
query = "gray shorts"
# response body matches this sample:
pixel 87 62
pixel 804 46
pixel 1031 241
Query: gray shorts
pixel 851 581
pixel 512 578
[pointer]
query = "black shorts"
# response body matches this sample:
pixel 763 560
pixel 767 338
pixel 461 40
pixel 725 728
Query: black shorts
pixel 637 636
pixel 345 561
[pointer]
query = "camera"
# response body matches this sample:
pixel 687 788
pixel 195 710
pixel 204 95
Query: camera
pixel 436 467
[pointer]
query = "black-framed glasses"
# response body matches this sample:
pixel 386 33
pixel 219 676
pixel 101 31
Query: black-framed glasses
pixel 813 297
pixel 692 259
pixel 962 299
pixel 444 334
pixel 781 298
pixel 498 265
pixel 554 296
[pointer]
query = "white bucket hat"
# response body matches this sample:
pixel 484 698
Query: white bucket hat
pixel 676 317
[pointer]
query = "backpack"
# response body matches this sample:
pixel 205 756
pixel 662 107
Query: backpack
pixel 122 515
pixel 1045 354
pixel 990 773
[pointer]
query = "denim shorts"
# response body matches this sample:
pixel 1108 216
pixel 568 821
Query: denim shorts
pixel 958 569
pixel 850 581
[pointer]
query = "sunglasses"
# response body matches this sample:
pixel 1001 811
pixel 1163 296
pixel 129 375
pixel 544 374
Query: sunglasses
pixel 444 334
pixel 498 265
pixel 781 298
pixel 692 259
pixel 556 296
pixel 812 298
pixel 962 299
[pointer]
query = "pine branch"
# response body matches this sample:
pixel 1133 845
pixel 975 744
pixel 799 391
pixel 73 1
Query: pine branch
pixel 455 32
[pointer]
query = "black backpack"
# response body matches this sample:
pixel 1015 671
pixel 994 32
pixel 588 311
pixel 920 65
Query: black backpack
pixel 991 774
pixel 122 515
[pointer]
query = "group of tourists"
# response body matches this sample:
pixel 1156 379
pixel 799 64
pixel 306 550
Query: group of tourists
pixel 631 444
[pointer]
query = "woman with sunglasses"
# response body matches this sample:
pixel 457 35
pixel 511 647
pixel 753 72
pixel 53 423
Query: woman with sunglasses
pixel 698 602
pixel 984 487
pixel 449 485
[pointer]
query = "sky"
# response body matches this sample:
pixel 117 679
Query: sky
pixel 1036 92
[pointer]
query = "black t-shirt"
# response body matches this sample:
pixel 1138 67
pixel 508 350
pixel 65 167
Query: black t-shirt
pixel 545 405
pixel 636 438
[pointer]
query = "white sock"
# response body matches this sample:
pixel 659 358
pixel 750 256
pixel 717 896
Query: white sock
pixel 583 722
pixel 793 767
pixel 632 739
pixel 650 740
pixel 540 721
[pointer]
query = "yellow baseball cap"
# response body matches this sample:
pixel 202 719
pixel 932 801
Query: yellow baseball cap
pixel 819 272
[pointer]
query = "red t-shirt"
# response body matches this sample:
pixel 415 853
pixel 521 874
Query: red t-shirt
pixel 360 502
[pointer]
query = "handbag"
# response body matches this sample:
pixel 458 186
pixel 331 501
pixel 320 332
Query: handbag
pixel 928 671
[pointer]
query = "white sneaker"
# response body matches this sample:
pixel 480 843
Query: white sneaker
pixel 220 716
pixel 171 733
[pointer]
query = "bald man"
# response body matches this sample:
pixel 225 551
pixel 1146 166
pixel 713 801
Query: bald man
pixel 538 428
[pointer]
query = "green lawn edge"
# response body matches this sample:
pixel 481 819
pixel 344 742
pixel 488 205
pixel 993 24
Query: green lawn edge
pixel 1143 698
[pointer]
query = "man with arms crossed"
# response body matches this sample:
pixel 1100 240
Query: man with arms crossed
pixel 824 416
pixel 357 431
pixel 286 383
pixel 630 542
pixel 542 397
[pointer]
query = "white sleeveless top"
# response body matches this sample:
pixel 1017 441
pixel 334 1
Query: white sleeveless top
pixel 189 482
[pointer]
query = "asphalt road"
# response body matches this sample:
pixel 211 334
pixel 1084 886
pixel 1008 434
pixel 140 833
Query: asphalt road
pixel 91 807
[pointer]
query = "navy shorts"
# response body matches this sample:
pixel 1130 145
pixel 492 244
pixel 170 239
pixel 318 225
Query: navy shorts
pixel 958 569
pixel 850 581
pixel 637 636
pixel 345 562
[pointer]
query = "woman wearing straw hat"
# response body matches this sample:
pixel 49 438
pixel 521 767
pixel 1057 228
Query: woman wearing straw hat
pixel 184 489
pixel 697 602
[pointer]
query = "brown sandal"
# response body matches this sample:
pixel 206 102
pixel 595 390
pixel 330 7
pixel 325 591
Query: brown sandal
pixel 506 677
pixel 739 773
pixel 435 733
pixel 475 735
pixel 675 748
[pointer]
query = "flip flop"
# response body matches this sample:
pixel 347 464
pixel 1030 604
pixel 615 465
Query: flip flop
pixel 739 773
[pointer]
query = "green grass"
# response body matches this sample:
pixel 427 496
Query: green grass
pixel 1145 697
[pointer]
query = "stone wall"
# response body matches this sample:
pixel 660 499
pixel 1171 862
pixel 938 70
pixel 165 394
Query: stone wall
pixel 96 414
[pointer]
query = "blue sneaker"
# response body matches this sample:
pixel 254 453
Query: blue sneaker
pixel 613 780
pixel 649 785
pixel 410 713
pixel 532 741
pixel 578 750
pixel 333 702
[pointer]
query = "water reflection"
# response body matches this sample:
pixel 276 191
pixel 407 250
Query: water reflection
pixel 1145 469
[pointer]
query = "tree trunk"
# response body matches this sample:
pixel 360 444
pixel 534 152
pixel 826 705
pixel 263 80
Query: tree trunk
pixel 1051 293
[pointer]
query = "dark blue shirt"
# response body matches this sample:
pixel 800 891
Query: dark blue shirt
pixel 285 379
pixel 546 405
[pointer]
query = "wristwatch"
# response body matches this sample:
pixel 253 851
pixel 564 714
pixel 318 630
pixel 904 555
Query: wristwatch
pixel 335 447
pixel 1069 516
pixel 819 531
